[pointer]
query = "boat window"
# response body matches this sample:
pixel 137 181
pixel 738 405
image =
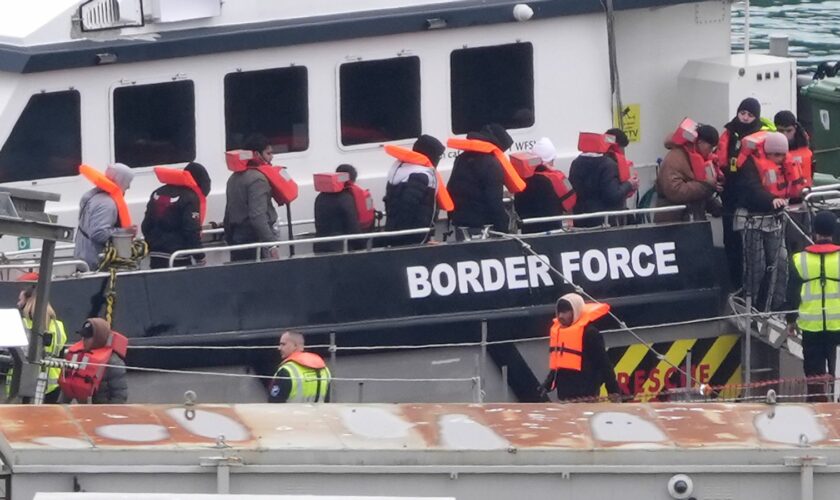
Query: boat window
pixel 272 102
pixel 492 84
pixel 46 140
pixel 154 124
pixel 380 100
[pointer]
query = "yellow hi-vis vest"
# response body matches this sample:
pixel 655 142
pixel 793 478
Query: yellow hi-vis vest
pixel 819 267
pixel 59 339
pixel 309 375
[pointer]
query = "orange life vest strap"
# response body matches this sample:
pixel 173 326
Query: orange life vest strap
pixel 562 188
pixel 182 178
pixel 307 359
pixel 405 155
pixel 364 205
pixel 514 183
pixel 99 180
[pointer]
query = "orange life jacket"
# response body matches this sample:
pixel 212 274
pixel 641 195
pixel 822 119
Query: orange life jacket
pixel 562 188
pixel 307 359
pixel 444 200
pixel 566 344
pixel 110 187
pixel 82 382
pixel 804 157
pixel 177 177
pixel 625 166
pixel 364 206
pixel 772 175
pixel 592 142
pixel 284 189
pixel 685 137
pixel 514 183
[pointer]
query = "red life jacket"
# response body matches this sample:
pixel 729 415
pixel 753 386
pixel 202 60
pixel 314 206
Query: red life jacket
pixel 685 137
pixel 514 183
pixel 772 175
pixel 176 177
pixel 591 142
pixel 444 200
pixel 364 206
pixel 81 383
pixel 284 189
pixel 99 180
pixel 566 343
pixel 804 157
pixel 562 188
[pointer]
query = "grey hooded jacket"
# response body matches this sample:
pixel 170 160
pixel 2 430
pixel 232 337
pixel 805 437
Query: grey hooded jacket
pixel 97 222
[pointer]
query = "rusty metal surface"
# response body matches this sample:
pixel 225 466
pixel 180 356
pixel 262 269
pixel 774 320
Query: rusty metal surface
pixel 262 428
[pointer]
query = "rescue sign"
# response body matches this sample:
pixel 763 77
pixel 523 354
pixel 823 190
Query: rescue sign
pixel 714 361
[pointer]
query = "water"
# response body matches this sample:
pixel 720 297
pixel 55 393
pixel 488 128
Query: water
pixel 813 27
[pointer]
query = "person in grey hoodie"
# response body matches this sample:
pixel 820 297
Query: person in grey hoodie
pixel 98 216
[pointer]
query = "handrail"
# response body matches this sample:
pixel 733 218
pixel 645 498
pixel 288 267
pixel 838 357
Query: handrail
pixel 59 263
pixel 280 223
pixel 826 187
pixel 345 238
pixel 610 213
pixel 822 194
pixel 35 251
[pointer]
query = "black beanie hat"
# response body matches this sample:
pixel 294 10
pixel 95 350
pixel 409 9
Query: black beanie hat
pixel 752 105
pixel 708 134
pixel 429 147
pixel 824 223
pixel 497 135
pixel 784 119
pixel 200 176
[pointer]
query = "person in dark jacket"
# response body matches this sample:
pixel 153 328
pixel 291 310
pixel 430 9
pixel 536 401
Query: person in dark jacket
pixel 249 213
pixel 113 389
pixel 746 121
pixel 336 214
pixel 410 193
pixel 758 215
pixel 173 221
pixel 787 124
pixel 595 180
pixel 539 199
pixel 595 367
pixel 477 185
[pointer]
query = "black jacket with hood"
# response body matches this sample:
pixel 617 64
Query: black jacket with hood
pixel 598 187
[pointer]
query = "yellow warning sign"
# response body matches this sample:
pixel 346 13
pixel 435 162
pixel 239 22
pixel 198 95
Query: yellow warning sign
pixel 715 361
pixel 631 121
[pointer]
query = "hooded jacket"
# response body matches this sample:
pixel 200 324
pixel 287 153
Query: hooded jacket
pixel 477 184
pixel 598 187
pixel 676 185
pixel 538 199
pixel 114 388
pixel 336 214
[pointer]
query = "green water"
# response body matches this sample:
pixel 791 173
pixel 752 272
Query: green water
pixel 813 27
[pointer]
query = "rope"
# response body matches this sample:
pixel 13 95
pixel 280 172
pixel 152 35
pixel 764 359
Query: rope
pixel 112 262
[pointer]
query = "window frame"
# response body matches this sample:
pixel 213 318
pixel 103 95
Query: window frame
pixel 383 57
pixel 248 69
pixel 112 122
pixel 534 71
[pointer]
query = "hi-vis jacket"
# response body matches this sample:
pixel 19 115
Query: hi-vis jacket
pixel 309 376
pixel 819 268
pixel 53 349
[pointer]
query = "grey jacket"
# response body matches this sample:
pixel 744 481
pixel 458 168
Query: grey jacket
pixel 249 213
pixel 98 220
pixel 114 388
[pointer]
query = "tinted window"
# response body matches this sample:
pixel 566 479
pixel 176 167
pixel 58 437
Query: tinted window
pixel 46 141
pixel 154 124
pixel 492 84
pixel 380 100
pixel 272 102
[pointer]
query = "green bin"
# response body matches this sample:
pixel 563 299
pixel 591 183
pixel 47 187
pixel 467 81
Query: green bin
pixel 823 98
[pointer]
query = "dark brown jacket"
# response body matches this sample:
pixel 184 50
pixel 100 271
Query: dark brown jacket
pixel 676 185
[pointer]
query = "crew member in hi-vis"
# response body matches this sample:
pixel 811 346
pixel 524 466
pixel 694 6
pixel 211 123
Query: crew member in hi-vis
pixel 302 377
pixel 814 288
pixel 578 360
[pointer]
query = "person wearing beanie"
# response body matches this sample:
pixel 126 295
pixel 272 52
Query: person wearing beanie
pixel 99 216
pixel 578 361
pixel 813 294
pixel 173 219
pixel 747 121
pixel 676 183
pixel 410 193
pixel 477 186
pixel 539 199
pixel 757 215
pixel 336 215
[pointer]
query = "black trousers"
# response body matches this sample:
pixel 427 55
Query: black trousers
pixel 819 350
pixel 733 245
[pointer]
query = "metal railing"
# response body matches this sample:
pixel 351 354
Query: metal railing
pixel 345 239
pixel 279 224
pixel 829 193
pixel 610 213
pixel 34 252
pixel 80 265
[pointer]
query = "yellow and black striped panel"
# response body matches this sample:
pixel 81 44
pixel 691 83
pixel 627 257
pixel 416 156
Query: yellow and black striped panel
pixel 715 361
